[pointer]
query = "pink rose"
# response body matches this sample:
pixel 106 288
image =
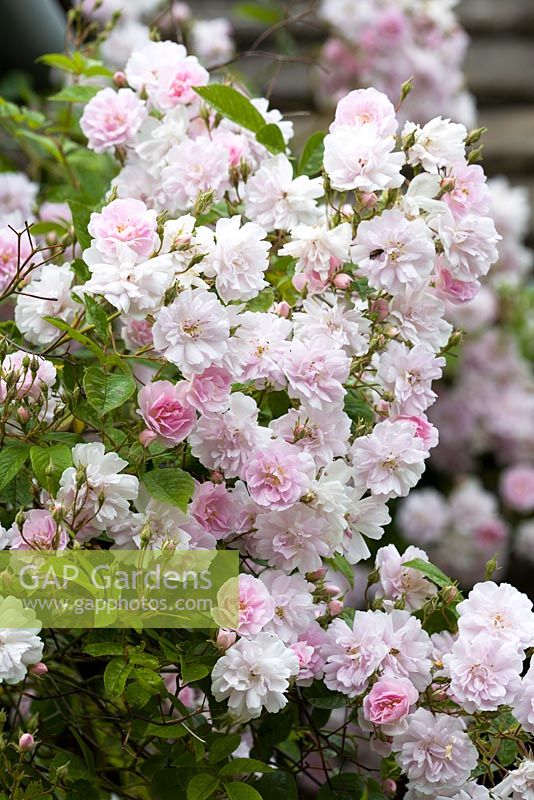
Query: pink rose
pixel 457 292
pixel 389 701
pixel 166 411
pixel 39 532
pixel 517 487
pixel 10 258
pixel 214 508
pixel 125 222
pixel 112 118
pixel 256 606
pixel 209 392
pixel 424 429
pixel 278 474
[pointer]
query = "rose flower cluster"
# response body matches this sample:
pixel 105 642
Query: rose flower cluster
pixel 276 331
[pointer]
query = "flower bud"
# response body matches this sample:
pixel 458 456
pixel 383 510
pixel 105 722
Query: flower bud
pixel 317 575
pixel 342 281
pixel 216 476
pixel 23 414
pixel 39 669
pixel 225 638
pixel 26 742
pixel 299 281
pixel 449 594
pixel 389 786
pixel 282 309
pixel 332 589
pixel 146 437
pixel 335 607
pixel 120 80
pixel 368 199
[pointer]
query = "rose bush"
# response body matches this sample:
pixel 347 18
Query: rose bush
pixel 218 346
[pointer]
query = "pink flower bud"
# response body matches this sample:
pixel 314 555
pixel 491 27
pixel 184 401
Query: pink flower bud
pixel 380 307
pixel 342 281
pixel 299 281
pixel 147 436
pixel 369 199
pixel 26 742
pixel 217 476
pixel 225 638
pixel 335 607
pixel 332 589
pixel 389 786
pixel 317 575
pixel 282 309
pixel 120 80
pixel 39 669
pixel 23 414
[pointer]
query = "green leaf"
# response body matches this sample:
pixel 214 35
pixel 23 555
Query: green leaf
pixel 233 105
pixel 12 459
pixel 431 571
pixel 78 337
pixel 222 746
pixel 311 159
pixel 201 786
pixel 357 408
pixel 115 676
pixel 259 13
pixel 340 564
pixel 172 486
pixel 277 785
pixel 81 215
pixel 243 766
pixel 263 301
pixel 345 786
pixel 174 730
pixel 149 680
pixel 192 672
pixel 241 791
pixel 270 136
pixel 49 463
pixel 43 143
pixel 96 315
pixel 321 697
pixel 106 391
pixel 104 649
pixel 75 94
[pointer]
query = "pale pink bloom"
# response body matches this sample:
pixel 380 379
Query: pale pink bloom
pixel 237 257
pixel 365 106
pixel 39 532
pixel 390 460
pixel 294 609
pixel 366 517
pixel 128 35
pixel 316 373
pixel 481 312
pixel 176 81
pixel 226 441
pixel 523 706
pixel 112 118
pixel 132 284
pixel 393 252
pixel 409 649
pixel 258 347
pixel 254 674
pixel 124 222
pixel 457 292
pixel 352 656
pixel 55 212
pixel 17 196
pixel 470 193
pixel 193 331
pixel 256 606
pixel 359 158
pixel 518 784
pixel 236 144
pixel 156 137
pixel 388 704
pixel 28 374
pixel 499 612
pixel 316 249
pixel 435 752
pixel 469 245
pixel 517 488
pixel 330 316
pixel 211 40
pixel 166 411
pixel 14 252
pixel 407 373
pixel 311 663
pixel 276 200
pixel 137 333
pixel 209 392
pixel 471 506
pixel 491 534
pixel 322 434
pixel 423 516
pixel 278 474
pixel 213 508
pixel 48 294
pixel 423 429
pixel 195 167
pixel 418 314
pixel 246 510
pixel 297 538
pixel 133 180
pixel 484 673
pixel 398 582
pixel 306 656
pixel 438 144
